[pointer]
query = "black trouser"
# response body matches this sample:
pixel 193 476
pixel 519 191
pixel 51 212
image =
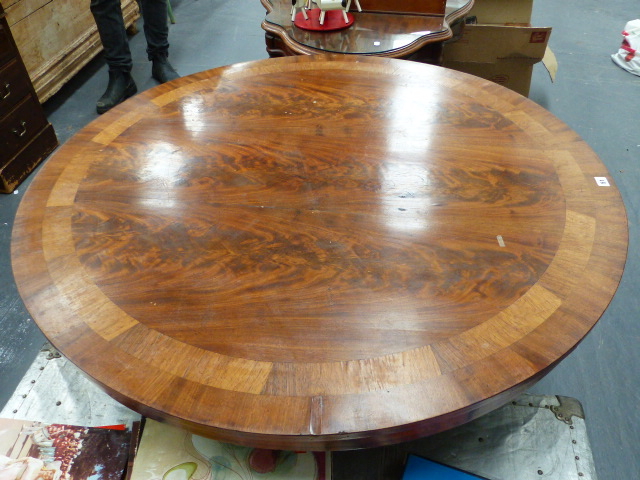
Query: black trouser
pixel 108 17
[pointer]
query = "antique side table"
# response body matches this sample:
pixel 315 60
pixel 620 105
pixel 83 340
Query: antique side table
pixel 416 32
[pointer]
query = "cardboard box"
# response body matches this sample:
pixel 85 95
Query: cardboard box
pixel 502 11
pixel 501 46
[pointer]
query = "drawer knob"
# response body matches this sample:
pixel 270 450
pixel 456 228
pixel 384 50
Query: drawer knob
pixel 19 132
pixel 6 91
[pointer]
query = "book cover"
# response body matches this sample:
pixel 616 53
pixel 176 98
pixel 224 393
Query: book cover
pixel 40 451
pixel 169 453
pixel 418 468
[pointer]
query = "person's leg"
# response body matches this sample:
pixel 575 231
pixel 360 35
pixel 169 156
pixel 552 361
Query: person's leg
pixel 108 17
pixel 156 31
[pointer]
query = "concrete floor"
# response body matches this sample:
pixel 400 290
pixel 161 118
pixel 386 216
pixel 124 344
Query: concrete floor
pixel 593 96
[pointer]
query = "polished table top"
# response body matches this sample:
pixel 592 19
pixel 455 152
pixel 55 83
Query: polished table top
pixel 320 252
pixel 373 33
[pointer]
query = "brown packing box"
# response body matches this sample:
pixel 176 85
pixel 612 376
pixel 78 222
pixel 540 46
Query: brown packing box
pixel 502 11
pixel 502 46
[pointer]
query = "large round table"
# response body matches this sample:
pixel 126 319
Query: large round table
pixel 320 252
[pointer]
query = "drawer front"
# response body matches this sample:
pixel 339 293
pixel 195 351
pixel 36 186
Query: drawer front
pixel 13 86
pixel 6 46
pixel 27 159
pixel 19 127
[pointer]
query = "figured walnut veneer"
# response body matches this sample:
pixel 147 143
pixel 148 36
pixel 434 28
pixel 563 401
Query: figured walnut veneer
pixel 303 252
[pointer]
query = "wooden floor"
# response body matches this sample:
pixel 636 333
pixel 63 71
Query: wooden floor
pixel 607 388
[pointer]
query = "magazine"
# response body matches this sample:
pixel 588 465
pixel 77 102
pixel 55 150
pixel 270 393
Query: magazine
pixel 40 451
pixel 169 453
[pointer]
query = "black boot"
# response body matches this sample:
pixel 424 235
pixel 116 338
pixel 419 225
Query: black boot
pixel 162 70
pixel 121 86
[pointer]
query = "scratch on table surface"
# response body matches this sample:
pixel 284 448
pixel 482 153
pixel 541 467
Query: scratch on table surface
pixel 315 419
